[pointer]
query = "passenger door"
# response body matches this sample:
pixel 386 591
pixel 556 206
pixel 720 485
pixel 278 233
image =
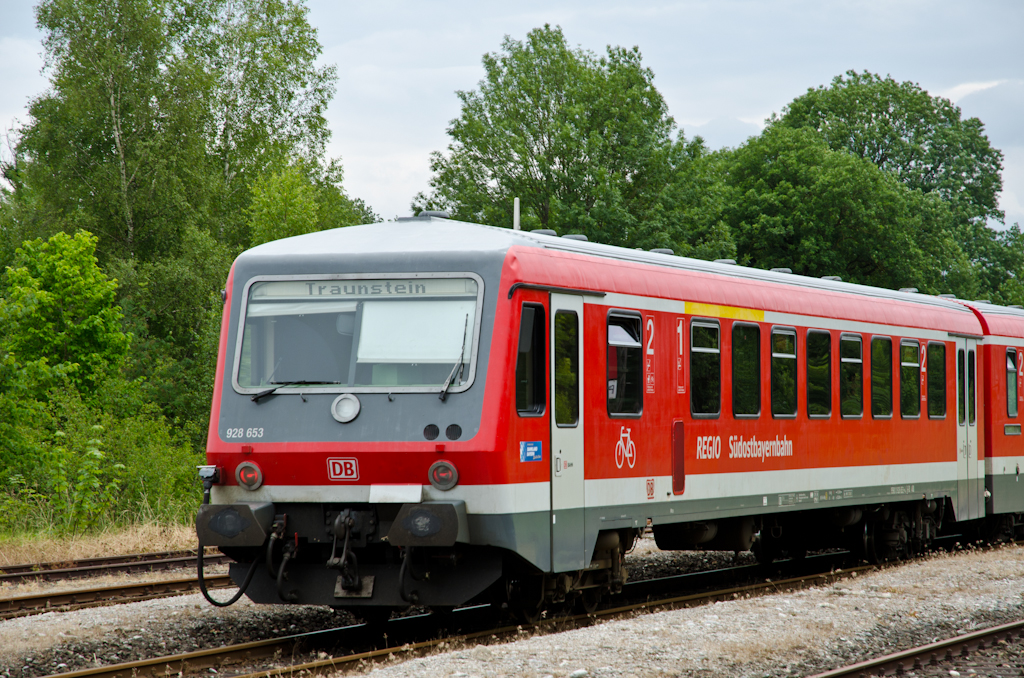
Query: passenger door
pixel 567 496
pixel 969 503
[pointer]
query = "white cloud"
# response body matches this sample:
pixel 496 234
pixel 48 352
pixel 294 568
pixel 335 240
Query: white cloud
pixel 958 92
pixel 20 79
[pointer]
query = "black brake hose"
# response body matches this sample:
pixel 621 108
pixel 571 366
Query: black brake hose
pixel 207 485
pixel 286 597
pixel 241 590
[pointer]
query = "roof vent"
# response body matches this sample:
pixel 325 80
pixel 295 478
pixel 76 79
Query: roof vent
pixel 947 296
pixel 1016 306
pixel 730 262
pixel 782 270
pixel 575 236
pixel 544 231
pixel 981 301
pixel 834 278
pixel 440 214
pixel 908 289
pixel 663 250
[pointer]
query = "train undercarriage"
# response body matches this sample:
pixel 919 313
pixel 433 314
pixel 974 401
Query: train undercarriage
pixel 373 560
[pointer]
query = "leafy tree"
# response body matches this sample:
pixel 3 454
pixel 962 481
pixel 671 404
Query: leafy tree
pixel 109 146
pixel 902 129
pixel 334 207
pixel 584 141
pixel 160 118
pixel 283 205
pixel 18 412
pixel 687 215
pixel 269 97
pixel 298 200
pixel 60 309
pixel 797 203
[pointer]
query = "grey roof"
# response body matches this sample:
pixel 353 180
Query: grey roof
pixel 436 235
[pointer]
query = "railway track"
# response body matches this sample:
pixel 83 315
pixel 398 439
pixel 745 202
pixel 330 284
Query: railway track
pixel 967 654
pixel 21 606
pixel 412 635
pixel 90 567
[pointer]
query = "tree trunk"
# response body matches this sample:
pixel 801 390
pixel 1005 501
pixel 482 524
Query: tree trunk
pixel 122 165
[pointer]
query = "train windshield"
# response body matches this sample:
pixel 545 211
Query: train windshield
pixel 368 334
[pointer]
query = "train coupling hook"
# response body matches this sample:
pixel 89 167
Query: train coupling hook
pixel 347 561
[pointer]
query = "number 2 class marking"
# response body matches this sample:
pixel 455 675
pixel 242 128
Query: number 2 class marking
pixel 649 367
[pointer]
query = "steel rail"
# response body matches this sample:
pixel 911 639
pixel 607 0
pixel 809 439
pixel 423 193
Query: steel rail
pixel 285 646
pixel 690 600
pixel 916 658
pixel 89 567
pixel 20 606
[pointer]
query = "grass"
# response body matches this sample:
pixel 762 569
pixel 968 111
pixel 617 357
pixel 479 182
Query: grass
pixel 27 547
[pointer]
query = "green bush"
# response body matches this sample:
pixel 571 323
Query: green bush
pixel 98 464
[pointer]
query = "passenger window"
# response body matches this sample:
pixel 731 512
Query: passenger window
pixel 567 369
pixel 819 374
pixel 705 369
pixel 851 376
pixel 970 388
pixel 961 395
pixel 910 379
pixel 531 396
pixel 783 373
pixel 881 377
pixel 625 364
pixel 746 370
pixel 1011 383
pixel 936 380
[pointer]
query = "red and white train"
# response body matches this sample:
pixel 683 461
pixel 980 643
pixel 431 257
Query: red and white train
pixel 439 412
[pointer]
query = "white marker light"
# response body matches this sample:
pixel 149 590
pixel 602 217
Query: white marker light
pixel 345 408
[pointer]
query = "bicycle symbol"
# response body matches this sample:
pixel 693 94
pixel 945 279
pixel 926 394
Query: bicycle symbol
pixel 625 450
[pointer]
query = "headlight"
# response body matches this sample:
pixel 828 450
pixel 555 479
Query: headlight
pixel 345 408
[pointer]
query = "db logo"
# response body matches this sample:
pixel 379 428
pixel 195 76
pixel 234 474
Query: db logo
pixel 343 469
pixel 650 488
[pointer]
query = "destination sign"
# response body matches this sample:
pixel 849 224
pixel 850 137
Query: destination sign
pixel 363 289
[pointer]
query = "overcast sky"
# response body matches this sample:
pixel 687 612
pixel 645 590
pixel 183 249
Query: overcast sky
pixel 723 66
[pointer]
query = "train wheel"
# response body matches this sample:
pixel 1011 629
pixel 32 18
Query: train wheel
pixel 870 545
pixel 766 548
pixel 797 551
pixel 526 599
pixel 588 600
pixel 444 616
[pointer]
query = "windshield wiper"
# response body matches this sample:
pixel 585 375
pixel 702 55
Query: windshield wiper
pixel 281 384
pixel 459 365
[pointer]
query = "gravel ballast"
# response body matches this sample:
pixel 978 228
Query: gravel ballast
pixel 791 634
pixel 784 634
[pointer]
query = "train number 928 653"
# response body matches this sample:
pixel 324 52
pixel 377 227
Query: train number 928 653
pixel 244 433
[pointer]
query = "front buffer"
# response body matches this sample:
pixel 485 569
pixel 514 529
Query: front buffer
pixel 357 556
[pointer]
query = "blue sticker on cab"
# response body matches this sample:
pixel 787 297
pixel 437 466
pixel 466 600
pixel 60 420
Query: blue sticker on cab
pixel 531 451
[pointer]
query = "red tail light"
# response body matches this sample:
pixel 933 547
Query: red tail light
pixel 249 475
pixel 443 475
